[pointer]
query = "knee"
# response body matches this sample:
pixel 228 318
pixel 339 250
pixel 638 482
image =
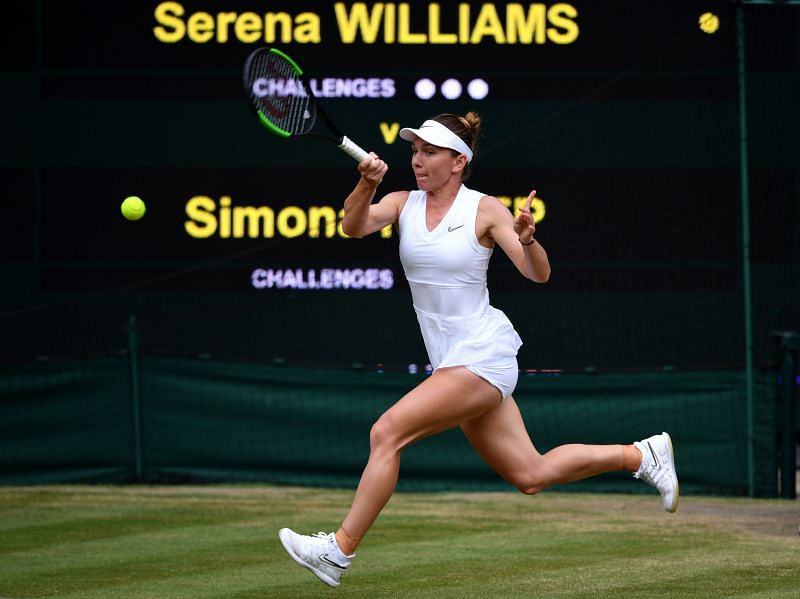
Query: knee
pixel 529 483
pixel 383 436
pixel 529 489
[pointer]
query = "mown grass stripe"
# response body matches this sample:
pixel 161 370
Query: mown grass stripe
pixel 221 541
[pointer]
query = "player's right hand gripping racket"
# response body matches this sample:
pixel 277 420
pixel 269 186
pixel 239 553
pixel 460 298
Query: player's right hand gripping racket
pixel 284 101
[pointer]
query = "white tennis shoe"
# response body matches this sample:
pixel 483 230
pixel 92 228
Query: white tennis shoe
pixel 658 468
pixel 319 553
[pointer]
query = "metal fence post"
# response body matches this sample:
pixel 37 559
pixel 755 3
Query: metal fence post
pixel 788 346
pixel 133 354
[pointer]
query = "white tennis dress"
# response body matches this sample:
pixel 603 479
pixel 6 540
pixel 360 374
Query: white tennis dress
pixel 446 270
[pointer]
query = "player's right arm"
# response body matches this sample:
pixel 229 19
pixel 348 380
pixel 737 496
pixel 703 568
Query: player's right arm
pixel 361 216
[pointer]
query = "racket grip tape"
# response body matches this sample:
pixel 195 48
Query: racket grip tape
pixel 352 149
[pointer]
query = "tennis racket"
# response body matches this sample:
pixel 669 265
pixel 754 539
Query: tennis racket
pixel 284 102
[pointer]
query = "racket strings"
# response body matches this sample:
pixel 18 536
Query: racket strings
pixel 280 95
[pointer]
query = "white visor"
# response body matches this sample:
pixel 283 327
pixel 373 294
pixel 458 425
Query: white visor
pixel 437 134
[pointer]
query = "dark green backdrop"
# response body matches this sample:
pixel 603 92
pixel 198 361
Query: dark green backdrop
pixel 199 420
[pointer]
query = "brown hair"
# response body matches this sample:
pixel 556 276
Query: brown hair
pixel 467 127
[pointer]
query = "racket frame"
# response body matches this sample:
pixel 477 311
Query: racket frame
pixel 343 142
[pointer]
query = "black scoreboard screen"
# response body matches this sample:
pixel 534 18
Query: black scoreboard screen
pixel 145 98
pixel 621 114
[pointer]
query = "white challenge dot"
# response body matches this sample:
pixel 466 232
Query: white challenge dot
pixel 425 89
pixel 451 89
pixel 478 89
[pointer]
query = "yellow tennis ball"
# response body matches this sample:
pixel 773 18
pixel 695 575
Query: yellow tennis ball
pixel 133 208
pixel 709 22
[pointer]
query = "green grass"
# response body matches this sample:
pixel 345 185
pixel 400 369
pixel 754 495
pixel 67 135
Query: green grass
pixel 221 541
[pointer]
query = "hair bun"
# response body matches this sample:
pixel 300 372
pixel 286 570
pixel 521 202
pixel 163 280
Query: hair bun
pixel 471 119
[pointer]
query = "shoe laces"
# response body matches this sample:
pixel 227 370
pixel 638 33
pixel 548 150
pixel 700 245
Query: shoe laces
pixel 657 477
pixel 325 536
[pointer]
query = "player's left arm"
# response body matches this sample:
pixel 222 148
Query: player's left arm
pixel 510 234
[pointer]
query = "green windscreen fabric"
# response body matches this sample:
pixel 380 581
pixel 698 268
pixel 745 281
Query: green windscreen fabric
pixel 195 420
pixel 67 422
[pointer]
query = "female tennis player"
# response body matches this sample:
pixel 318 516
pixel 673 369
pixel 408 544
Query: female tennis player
pixel 447 235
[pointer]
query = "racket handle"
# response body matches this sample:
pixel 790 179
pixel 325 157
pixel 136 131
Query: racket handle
pixel 352 149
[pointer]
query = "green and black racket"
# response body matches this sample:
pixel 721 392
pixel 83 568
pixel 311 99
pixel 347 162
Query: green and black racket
pixel 284 101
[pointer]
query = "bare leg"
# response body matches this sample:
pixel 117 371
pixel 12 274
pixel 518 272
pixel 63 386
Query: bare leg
pixel 444 400
pixel 500 437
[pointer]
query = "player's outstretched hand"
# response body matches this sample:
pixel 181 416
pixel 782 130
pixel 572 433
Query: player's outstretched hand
pixel 523 225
